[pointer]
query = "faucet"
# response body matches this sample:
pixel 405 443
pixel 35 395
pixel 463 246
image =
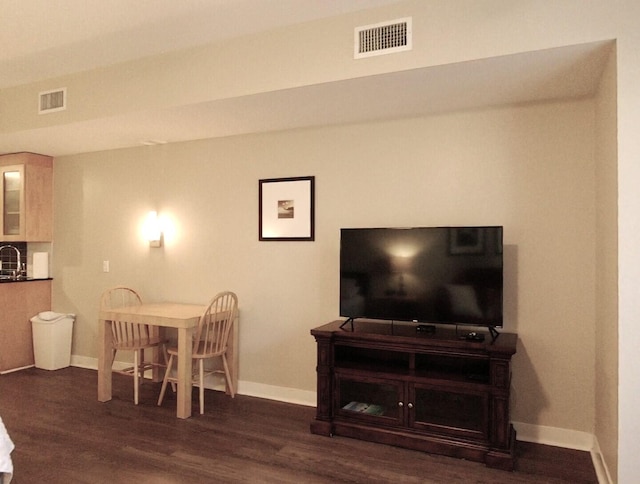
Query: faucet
pixel 18 272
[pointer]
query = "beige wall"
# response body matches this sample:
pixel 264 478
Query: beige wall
pixel 441 35
pixel 530 169
pixel 606 348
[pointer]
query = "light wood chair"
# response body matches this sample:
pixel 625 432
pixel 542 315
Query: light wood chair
pixel 133 337
pixel 210 341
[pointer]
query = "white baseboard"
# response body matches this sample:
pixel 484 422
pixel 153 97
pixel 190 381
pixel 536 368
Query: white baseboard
pixel 539 434
pixel 84 362
pixel 568 439
pixel 216 382
pixel 602 471
pixel 282 394
pixel 5 372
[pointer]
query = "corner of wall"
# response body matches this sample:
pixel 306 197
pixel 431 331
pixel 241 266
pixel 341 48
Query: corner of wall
pixel 541 434
pixel 600 465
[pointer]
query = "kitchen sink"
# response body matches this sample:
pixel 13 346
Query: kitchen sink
pixel 5 277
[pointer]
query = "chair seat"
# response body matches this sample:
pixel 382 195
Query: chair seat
pixel 137 345
pixel 199 354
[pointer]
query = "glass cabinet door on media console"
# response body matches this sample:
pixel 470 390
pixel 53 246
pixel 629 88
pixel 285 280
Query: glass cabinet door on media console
pixel 437 409
pixel 367 384
pixel 450 411
pixel 451 394
pixel 420 391
pixel 369 399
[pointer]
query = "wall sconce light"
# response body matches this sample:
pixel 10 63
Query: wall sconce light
pixel 154 230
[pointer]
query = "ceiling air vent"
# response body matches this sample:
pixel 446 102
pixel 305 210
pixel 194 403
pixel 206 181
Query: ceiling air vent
pixel 383 38
pixel 52 101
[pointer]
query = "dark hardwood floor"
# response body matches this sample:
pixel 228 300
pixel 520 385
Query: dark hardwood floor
pixel 64 435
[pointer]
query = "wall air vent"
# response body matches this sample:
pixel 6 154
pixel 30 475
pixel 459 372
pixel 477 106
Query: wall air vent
pixel 383 38
pixel 52 101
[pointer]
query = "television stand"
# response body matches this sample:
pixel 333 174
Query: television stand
pixel 473 336
pixel 435 393
pixel 426 328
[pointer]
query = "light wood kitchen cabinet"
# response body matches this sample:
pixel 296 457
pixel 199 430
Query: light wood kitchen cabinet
pixel 26 204
pixel 20 301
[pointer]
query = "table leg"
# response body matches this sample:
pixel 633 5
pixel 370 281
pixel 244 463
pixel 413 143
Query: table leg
pixel 185 348
pixel 157 356
pixel 104 361
pixel 232 357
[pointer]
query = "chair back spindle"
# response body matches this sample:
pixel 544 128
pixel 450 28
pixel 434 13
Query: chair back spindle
pixel 125 333
pixel 215 325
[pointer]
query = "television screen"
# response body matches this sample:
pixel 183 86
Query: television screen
pixel 447 275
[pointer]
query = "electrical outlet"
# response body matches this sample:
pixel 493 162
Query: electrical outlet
pixel 105 266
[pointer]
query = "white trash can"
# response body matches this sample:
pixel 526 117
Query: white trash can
pixel 52 339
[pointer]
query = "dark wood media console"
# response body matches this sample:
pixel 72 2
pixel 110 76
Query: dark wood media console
pixel 386 382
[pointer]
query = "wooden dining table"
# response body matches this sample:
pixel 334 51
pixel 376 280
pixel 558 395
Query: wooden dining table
pixel 183 317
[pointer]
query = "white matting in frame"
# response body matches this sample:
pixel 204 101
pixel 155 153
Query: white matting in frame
pixel 286 210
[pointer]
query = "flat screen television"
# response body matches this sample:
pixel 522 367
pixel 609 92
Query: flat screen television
pixel 444 275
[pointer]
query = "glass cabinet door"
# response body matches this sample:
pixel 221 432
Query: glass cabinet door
pixel 369 398
pixel 12 183
pixel 450 411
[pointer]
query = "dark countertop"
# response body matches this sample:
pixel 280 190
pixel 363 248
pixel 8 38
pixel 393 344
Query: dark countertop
pixel 4 280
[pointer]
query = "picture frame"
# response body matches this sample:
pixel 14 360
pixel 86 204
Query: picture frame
pixel 286 209
pixel 466 240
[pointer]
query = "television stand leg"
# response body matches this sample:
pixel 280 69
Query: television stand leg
pixel 349 320
pixel 494 333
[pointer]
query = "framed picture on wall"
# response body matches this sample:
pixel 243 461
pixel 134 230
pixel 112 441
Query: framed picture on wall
pixel 286 208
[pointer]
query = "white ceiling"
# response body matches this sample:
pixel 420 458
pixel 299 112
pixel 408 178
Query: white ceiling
pixel 36 34
pixel 123 30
